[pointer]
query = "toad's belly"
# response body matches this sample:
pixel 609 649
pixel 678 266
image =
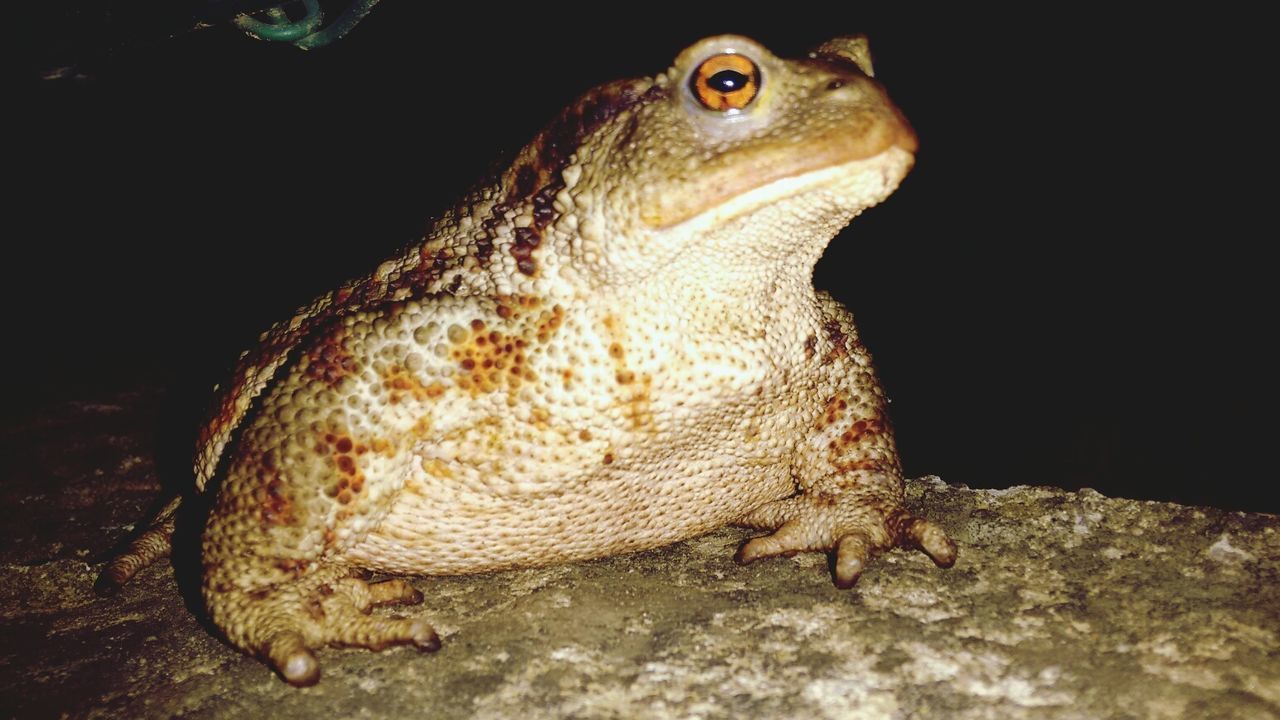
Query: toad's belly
pixel 443 533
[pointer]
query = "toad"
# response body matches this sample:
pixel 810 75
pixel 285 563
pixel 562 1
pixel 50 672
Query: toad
pixel 614 345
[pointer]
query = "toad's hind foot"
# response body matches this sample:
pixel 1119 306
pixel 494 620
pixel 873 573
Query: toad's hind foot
pixel 853 532
pixel 154 543
pixel 286 624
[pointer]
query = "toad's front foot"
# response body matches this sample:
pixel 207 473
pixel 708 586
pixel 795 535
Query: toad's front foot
pixel 283 625
pixel 854 528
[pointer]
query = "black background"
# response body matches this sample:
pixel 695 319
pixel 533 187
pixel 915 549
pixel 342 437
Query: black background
pixel 1069 288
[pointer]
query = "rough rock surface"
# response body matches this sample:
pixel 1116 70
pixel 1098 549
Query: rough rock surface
pixel 1063 605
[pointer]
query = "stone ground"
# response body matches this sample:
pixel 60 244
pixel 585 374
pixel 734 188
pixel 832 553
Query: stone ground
pixel 1063 605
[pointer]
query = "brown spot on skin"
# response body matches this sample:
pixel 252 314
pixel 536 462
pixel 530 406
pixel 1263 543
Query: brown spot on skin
pixel 835 406
pixel 541 162
pixel 810 343
pixel 584 435
pixel 346 464
pixel 484 244
pixel 837 338
pixel 411 281
pixel 615 351
pixel 608 458
pixel 314 609
pixel 275 506
pixel 860 465
pixel 328 359
pixel 527 240
pixel 544 211
pixel 292 566
pixel 343 445
pixel 526 180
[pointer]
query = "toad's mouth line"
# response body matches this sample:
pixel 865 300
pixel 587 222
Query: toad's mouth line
pixel 865 181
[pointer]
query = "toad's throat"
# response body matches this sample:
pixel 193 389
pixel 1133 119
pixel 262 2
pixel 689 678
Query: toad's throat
pixel 739 181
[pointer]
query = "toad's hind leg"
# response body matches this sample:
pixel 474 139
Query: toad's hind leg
pixel 284 624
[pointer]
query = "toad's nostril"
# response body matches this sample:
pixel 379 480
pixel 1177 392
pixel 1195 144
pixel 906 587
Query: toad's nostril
pixel 835 84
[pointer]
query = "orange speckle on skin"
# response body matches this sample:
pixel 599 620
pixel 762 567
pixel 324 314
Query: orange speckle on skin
pixel 638 409
pixel 403 382
pixel 422 426
pixel 436 467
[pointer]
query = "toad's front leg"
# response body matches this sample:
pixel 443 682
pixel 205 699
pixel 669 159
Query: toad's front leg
pixel 279 593
pixel 851 492
pixel 856 516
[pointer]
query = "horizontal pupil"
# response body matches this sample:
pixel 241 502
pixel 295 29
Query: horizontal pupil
pixel 727 81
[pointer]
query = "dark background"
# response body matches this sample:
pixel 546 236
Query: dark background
pixel 1068 289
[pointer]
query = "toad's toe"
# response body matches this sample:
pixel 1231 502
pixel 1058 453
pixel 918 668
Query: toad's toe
pixel 286 624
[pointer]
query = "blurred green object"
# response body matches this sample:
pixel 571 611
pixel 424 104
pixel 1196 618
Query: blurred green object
pixel 303 32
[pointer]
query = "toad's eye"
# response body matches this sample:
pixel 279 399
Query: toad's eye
pixel 726 82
